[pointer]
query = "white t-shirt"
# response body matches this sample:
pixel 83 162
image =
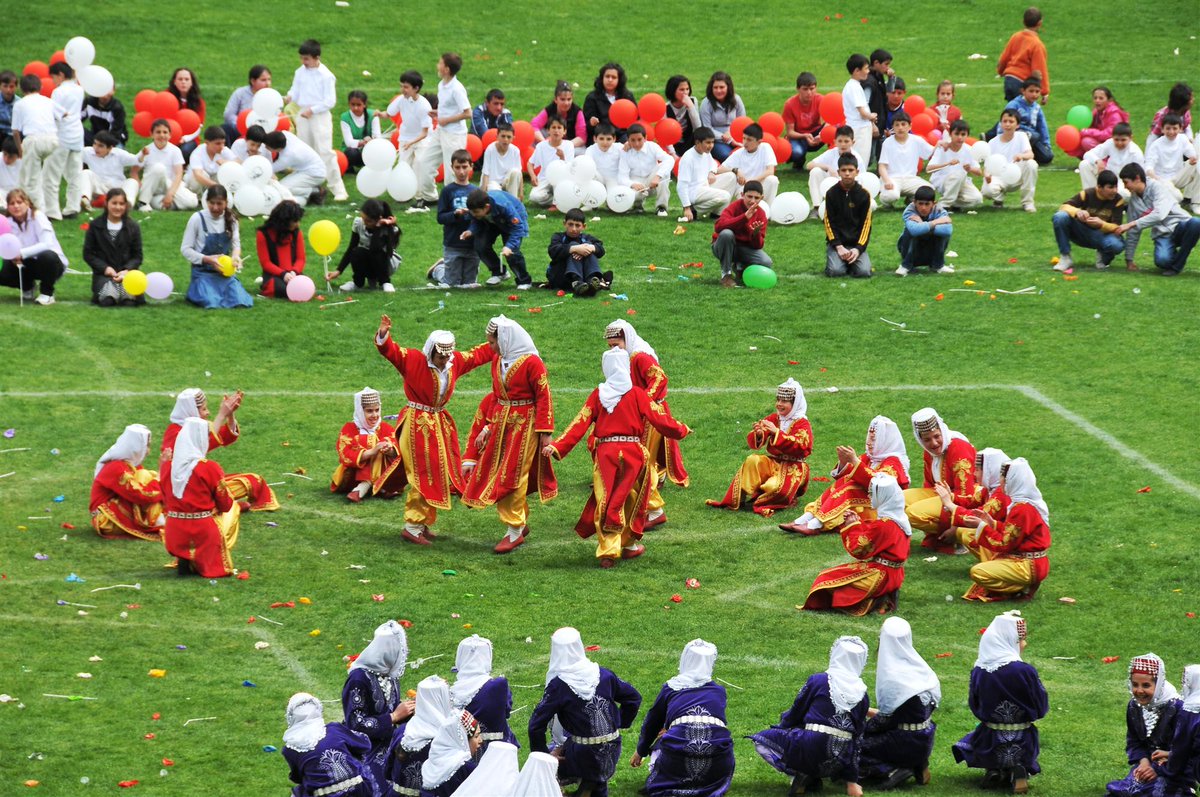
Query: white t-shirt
pixel 414 115
pixel 497 166
pixel 608 164
pixel 169 156
pixel 299 157
pixel 33 115
pixel 945 155
pixel 649 160
pixel 1117 158
pixel 751 164
pixel 1011 149
pixel 694 169
pixel 112 166
pixel 68 112
pixel 9 175
pixel 314 88
pixel 902 159
pixel 853 98
pixel 829 159
pixel 201 160
pixel 240 153
pixel 544 154
pixel 1165 157
pixel 452 100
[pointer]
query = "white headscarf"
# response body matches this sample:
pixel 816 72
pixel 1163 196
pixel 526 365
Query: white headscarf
pixel 927 414
pixel 1191 688
pixel 888 500
pixel 514 342
pixel 847 659
pixel 130 447
pixel 1164 692
pixel 888 442
pixel 387 652
pixel 360 414
pixel 190 447
pixel 634 342
pixel 570 664
pixel 1000 643
pixel 617 381
pixel 1021 486
pixel 900 672
pixel 433 707
pixel 306 723
pixel 993 460
pixel 539 777
pixel 474 665
pixel 695 665
pixel 799 405
pixel 439 337
pixel 448 751
pixel 496 774
pixel 185 405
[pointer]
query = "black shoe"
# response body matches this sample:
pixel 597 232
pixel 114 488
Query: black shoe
pixel 318 197
pixel 993 779
pixel 804 784
pixel 185 568
pixel 580 288
pixel 895 778
pixel 596 284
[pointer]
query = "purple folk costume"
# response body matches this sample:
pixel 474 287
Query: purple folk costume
pixel 325 760
pixel 684 733
pixel 592 705
pixel 372 692
pixel 488 699
pixel 821 734
pixel 450 760
pixel 1148 728
pixel 411 743
pixel 1181 773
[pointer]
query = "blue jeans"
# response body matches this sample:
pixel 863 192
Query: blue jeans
pixel 925 250
pixel 1012 88
pixel 485 248
pixel 721 151
pixel 1068 231
pixel 800 150
pixel 1171 252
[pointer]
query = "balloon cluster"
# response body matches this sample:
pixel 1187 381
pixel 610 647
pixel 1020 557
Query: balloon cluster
pixel 250 185
pixel 381 172
pixel 1079 118
pixel 79 54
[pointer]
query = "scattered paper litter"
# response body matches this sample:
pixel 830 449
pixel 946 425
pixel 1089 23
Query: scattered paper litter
pixel 976 57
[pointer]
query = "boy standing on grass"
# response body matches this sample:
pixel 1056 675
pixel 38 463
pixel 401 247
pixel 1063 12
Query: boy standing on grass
pixel 575 258
pixel 414 111
pixel 802 119
pixel 739 235
pixel 926 235
pixel 879 84
pixel 497 214
pixel 1152 206
pixel 1090 219
pixel 1024 57
pixel 449 134
pixel 460 264
pixel 314 89
pixel 854 105
pixel 36 134
pixel 67 161
pixel 847 224
pixel 502 163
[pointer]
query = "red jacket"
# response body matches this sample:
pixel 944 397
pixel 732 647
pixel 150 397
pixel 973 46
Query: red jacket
pixel 288 256
pixel 751 232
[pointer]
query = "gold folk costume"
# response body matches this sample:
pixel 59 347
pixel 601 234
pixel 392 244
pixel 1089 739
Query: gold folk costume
pixel 952 465
pixel 885 453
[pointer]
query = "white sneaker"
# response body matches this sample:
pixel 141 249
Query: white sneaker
pixel 1064 263
pixel 496 279
pixel 388 287
pixel 946 269
pixel 419 207
pixel 444 285
pixel 44 300
pixel 524 286
pixel 342 197
pixel 429 273
pixel 258 280
pixel 1100 264
pixel 347 287
pixel 1029 207
pixel 470 286
pixel 901 272
pixel 662 213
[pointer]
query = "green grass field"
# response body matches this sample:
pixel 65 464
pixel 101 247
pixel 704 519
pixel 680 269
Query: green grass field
pixel 1090 379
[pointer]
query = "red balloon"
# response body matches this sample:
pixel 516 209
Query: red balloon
pixel 675 168
pixel 489 136
pixel 922 124
pixel 189 121
pixel 47 87
pixel 59 57
pixel 651 134
pixel 284 124
pixel 781 146
pixel 142 100
pixel 828 135
pixel 526 154
pixel 343 162
pixel 164 105
pixel 176 131
pixel 623 113
pixel 771 123
pixel 972 141
pixel 39 68
pixel 441 173
pixel 141 123
pixel 474 146
pixel 933 137
pixel 396 138
pixel 651 108
pixel 737 126
pixel 915 104
pixel 667 132
pixel 831 108
pixel 523 134
pixel 241 119
pixel 1067 138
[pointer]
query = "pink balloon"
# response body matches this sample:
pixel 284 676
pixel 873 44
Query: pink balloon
pixel 5 225
pixel 10 246
pixel 301 288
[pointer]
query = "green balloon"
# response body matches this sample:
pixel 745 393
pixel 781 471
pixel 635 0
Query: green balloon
pixel 1080 116
pixel 759 277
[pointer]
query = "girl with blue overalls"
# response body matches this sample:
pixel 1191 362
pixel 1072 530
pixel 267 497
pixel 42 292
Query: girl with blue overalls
pixel 211 233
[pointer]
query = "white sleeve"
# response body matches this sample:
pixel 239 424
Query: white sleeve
pixel 328 93
pixel 666 162
pixel 460 92
pixel 376 131
pixel 394 106
pixel 190 248
pixel 688 166
pixel 348 138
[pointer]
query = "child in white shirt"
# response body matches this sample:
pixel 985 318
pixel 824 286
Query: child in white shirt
pixel 553 148
pixel 701 189
pixel 1014 145
pixel 206 161
pixel 67 161
pixel 502 163
pixel 314 89
pixel 825 165
pixel 645 168
pixel 854 105
pixel 752 161
pixel 951 167
pixel 606 156
pixel 106 164
pixel 450 135
pixel 162 173
pixel 415 115
pixel 306 171
pixel 1111 155
pixel 899 161
pixel 10 166
pixel 1171 159
pixel 36 134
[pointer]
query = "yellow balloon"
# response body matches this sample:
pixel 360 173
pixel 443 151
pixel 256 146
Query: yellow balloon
pixel 324 236
pixel 134 282
pixel 225 263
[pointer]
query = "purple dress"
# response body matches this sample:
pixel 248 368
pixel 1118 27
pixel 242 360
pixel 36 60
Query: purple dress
pixel 491 706
pixel 694 754
pixel 613 707
pixel 403 768
pixel 337 759
pixel 887 744
pixel 794 750
pixel 448 788
pixel 1012 697
pixel 368 705
pixel 1139 744
pixel 1182 770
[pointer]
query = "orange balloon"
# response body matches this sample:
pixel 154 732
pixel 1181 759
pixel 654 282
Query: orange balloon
pixel 781 146
pixel 667 132
pixel 141 123
pixel 1067 138
pixel 738 126
pixel 141 100
pixel 623 113
pixel 176 131
pixel 39 68
pixel 343 162
pixel 651 134
pixel 828 134
pixel 651 108
pixel 241 119
pixel 526 154
pixel 772 123
pixel 59 57
pixel 284 124
pixel 441 173
pixel 674 171
pixel 474 146
pixel 831 108
pixel 915 104
pixel 523 134
pixel 164 105
pixel 489 136
pixel 922 124
pixel 189 120
pixel 47 87
pixel 396 139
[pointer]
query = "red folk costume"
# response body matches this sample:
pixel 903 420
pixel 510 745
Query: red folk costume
pixel 202 515
pixel 621 473
pixel 988 465
pixel 881 546
pixel 952 464
pixel 1015 550
pixel 126 498
pixel 773 480
pixel 358 470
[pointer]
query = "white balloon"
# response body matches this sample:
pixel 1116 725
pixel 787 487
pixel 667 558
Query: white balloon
pixel 826 184
pixel 790 208
pixel 568 195
pixel 821 211
pixel 555 173
pixel 272 196
pixel 402 182
pixel 1011 174
pixel 96 80
pixel 232 175
pixel 981 150
pixel 267 103
pixel 765 209
pixel 269 124
pixel 583 169
pixel 379 154
pixel 621 198
pixel 249 201
pixel 80 53
pixel 995 163
pixel 594 195
pixel 871 183
pixel 258 169
pixel 371 182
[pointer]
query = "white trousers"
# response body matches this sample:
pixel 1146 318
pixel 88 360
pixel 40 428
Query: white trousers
pixel 541 194
pixel 715 196
pixel 317 132
pixel 902 186
pixel 959 191
pixel 436 150
pixel 95 185
pixel 662 194
pixel 512 183
pixel 1089 172
pixel 300 186
pixel 156 181
pixel 995 188
pixel 62 164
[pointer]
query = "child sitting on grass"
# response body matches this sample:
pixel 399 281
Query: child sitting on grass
pixel 575 258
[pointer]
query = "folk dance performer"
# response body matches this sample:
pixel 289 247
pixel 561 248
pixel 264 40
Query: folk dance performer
pixel 426 435
pixel 325 758
pixel 1150 721
pixel 1014 551
pixel 365 447
pixel 518 426
pixel 965 529
pixel 949 459
pixel 126 498
pixel 372 702
pixel 487 698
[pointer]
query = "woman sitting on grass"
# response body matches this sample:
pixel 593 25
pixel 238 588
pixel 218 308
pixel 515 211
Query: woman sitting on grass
pixel 211 245
pixel 126 498
pixel 113 247
pixel 202 517
pixel 371 699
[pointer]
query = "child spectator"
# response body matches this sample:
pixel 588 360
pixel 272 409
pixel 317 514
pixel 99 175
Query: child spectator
pixel 502 163
pixel 948 113
pixel 162 173
pixel 1111 155
pixel 490 114
pixel 1152 206
pixel 416 116
pixel 563 107
pixel 36 132
pixel 646 168
pixel 1171 159
pixel 1179 102
pixel 67 161
pixel 701 190
pixel 371 253
pixel 242 99
pixel 206 161
pixel 1150 719
pixel 41 259
pixel 325 758
pixel 280 246
pixel 1031 120
pixel 1106 115
pixel 249 145
pixel 900 160
pixel 1014 145
pixel 720 106
pixel 802 119
pixel 359 125
pixel 739 235
pixel 895 104
pixel 825 165
pixel 1024 57
pixel 104 114
pixel 859 117
pixel 453 755
pixel 606 156
pixel 575 258
pixel 926 235
pixel 460 264
pixel 10 165
pixel 950 170
pixel 847 224
pixel 314 89
pixel 112 248
pixel 106 165
pixel 608 87
pixel 8 94
pixel 753 162
pixel 497 214
pixel 878 85
pixel 186 88
pixel 1182 770
pixel 549 150
pixel 682 108
pixel 210 238
pixel 306 174
pixel 1090 219
pixel 487 698
pixel 448 136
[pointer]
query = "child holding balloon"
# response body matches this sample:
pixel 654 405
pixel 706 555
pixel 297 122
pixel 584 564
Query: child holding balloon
pixel 372 249
pixel 112 248
pixel 29 249
pixel 359 125
pixel 306 170
pixel 280 247
pixel 211 245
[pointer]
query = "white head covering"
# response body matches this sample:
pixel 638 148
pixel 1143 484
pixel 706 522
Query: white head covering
pixel 847 659
pixel 1001 642
pixel 799 404
pixel 433 707
pixel 514 342
pixel 888 500
pixel 360 414
pixel 1191 688
pixel 617 380
pixel 539 777
pixel 695 665
pixel 190 447
pixel 187 405
pixel 448 751
pixel 570 664
pixel 929 415
pixel 888 442
pixel 496 774
pixel 493 325
pixel 634 342
pixel 900 672
pixel 131 447
pixel 387 652
pixel 1021 486
pixel 438 339
pixel 474 665
pixel 1164 692
pixel 306 723
pixel 993 460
